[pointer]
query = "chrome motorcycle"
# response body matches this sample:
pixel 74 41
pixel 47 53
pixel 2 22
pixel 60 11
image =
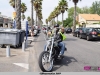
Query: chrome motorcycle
pixel 49 56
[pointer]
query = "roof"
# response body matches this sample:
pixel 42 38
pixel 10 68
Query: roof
pixel 90 16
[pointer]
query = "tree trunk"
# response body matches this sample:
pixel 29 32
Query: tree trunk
pixel 62 19
pixel 31 12
pixel 23 16
pixel 18 17
pixel 36 17
pixel 57 19
pixel 74 18
pixel 54 21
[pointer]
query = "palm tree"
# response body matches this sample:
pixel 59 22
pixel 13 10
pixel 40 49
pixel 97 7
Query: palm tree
pixel 12 3
pixel 63 5
pixel 38 7
pixel 57 12
pixel 23 17
pixel 28 18
pixel 23 10
pixel 18 17
pixel 32 1
pixel 74 17
pixel 39 16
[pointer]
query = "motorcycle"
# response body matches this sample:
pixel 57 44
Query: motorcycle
pixel 50 55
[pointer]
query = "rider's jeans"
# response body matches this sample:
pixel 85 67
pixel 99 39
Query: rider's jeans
pixel 44 47
pixel 62 45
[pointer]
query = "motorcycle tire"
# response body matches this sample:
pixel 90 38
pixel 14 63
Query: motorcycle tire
pixel 40 62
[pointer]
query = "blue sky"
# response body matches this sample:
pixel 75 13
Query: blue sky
pixel 48 6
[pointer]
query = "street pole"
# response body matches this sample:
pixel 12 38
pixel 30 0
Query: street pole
pixel 15 17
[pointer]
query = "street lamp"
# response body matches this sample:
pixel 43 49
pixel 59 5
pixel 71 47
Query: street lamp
pixel 74 18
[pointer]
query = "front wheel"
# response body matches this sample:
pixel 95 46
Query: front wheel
pixel 44 60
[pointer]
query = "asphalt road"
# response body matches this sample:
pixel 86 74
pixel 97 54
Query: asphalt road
pixel 79 53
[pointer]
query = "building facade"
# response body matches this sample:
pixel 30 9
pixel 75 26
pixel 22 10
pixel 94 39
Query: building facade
pixel 5 21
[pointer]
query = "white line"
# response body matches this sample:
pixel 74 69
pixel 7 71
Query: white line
pixel 98 42
pixel 70 34
pixel 26 66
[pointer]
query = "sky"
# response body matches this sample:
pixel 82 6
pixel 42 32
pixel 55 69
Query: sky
pixel 48 6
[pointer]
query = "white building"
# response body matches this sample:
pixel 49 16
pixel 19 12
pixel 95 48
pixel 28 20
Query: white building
pixel 5 21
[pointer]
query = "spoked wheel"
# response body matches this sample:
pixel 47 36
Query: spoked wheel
pixel 44 63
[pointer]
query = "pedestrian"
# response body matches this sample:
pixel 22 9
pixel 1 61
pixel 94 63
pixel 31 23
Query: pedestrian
pixel 32 30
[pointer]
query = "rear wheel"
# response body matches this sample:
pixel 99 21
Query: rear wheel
pixel 88 38
pixel 44 60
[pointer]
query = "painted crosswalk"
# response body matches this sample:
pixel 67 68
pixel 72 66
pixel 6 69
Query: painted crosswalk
pixel 24 65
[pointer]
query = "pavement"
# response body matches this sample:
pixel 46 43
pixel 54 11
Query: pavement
pixel 18 60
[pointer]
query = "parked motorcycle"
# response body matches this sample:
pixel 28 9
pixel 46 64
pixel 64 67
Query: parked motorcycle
pixel 49 56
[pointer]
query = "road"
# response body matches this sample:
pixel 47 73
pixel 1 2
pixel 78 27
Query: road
pixel 79 53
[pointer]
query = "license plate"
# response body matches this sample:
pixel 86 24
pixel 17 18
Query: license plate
pixel 99 35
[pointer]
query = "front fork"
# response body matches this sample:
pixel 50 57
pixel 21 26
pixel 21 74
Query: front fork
pixel 51 50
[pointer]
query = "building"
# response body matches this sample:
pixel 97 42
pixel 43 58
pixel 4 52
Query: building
pixel 5 21
pixel 88 19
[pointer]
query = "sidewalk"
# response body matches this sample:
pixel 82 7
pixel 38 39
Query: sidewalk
pixel 17 62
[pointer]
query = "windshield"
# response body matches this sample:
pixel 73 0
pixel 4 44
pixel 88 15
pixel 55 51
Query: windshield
pixel 97 29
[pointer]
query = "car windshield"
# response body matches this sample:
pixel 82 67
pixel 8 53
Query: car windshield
pixel 97 29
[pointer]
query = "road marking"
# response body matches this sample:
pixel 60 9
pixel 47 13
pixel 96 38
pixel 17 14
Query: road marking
pixel 70 34
pixel 26 66
pixel 98 42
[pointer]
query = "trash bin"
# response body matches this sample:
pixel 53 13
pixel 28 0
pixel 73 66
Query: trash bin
pixel 22 33
pixel 9 37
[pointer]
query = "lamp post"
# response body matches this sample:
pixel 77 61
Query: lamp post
pixel 74 17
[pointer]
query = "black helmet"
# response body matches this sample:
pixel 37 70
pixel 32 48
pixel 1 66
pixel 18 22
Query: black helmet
pixel 57 25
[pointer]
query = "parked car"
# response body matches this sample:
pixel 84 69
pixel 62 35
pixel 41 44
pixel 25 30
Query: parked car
pixel 29 31
pixel 68 30
pixel 90 33
pixel 38 28
pixel 76 33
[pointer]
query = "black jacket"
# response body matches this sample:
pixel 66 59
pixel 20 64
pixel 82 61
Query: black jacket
pixel 58 38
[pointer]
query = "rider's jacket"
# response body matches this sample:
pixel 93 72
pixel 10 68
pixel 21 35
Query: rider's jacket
pixel 59 37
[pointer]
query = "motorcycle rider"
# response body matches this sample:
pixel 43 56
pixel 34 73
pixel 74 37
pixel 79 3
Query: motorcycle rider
pixel 59 40
pixel 59 37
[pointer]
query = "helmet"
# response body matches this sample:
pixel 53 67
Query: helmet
pixel 57 25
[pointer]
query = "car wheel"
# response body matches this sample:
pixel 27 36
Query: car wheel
pixel 80 36
pixel 88 38
pixel 77 35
